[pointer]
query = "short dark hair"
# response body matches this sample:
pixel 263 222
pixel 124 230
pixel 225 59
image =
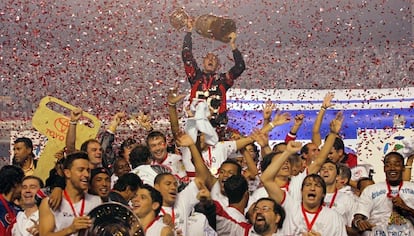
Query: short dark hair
pixel 339 144
pixel 276 146
pixel 155 196
pixel 344 171
pixel 305 149
pixel 27 142
pixel 41 184
pixel 129 179
pixel 233 162
pixel 10 176
pixel 267 159
pixel 235 187
pixel 161 176
pixel 126 143
pixel 363 179
pixel 329 161
pixel 84 146
pixel 68 161
pixel 277 209
pixel 155 134
pixel 394 154
pixel 139 155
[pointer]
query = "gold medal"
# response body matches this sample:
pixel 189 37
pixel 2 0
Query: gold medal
pixel 213 170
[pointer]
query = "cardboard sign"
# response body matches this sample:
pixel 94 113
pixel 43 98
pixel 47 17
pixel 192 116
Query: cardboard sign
pixel 54 125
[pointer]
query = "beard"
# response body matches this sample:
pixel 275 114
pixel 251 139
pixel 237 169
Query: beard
pixel 261 228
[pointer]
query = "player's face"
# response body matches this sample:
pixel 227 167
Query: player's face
pixel 122 167
pixel 158 148
pixel 312 193
pixel 210 63
pixel 393 168
pixel 226 170
pixel 101 185
pixel 142 204
pixel 168 188
pixel 313 151
pixel 94 153
pixel 335 155
pixel 264 218
pixel 79 174
pixel 21 152
pixel 29 190
pixel 328 173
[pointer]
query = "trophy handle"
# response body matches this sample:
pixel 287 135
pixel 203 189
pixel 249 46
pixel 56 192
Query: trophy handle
pixel 179 18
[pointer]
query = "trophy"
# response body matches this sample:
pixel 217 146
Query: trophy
pixel 209 26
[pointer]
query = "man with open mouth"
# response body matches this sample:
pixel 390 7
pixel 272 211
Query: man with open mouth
pixel 387 208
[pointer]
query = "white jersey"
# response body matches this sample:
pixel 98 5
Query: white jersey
pixel 377 206
pixel 216 194
pixel 235 214
pixel 184 204
pixel 343 203
pixel 147 173
pixel 198 225
pixel 327 223
pixel 64 215
pixel 213 157
pixel 175 163
pixel 23 222
pixel 155 228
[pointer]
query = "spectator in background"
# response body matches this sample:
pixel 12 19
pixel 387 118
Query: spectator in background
pixel 23 155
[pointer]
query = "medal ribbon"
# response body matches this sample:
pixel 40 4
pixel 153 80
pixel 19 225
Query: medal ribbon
pixel 333 198
pixel 389 190
pixel 151 223
pixel 172 213
pixel 310 225
pixel 71 204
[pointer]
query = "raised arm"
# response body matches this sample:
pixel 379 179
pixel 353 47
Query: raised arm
pixel 268 108
pixel 75 115
pixel 239 65
pixel 291 136
pixel 108 138
pixel 202 172
pixel 316 135
pixel 408 166
pixel 335 127
pixel 173 99
pixel 268 176
pixel 279 119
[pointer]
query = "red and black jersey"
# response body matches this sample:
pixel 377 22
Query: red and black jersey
pixel 210 86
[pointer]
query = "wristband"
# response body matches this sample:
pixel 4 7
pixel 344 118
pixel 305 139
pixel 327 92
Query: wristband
pixel 292 134
pixel 271 124
pixel 323 108
pixel 75 122
pixel 408 167
pixel 171 104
